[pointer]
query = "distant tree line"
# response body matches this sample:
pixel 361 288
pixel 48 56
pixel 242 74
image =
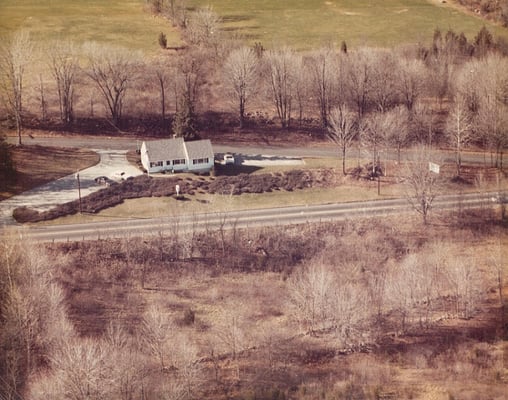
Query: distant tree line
pixel 496 10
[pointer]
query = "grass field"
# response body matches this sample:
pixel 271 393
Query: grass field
pixel 155 207
pixel 37 165
pixel 124 23
pixel 303 24
pixel 306 24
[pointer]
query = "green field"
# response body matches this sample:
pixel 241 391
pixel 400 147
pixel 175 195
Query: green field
pixel 303 24
pixel 306 24
pixel 121 22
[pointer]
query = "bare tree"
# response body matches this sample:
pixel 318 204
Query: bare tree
pixel 421 183
pixel 459 130
pixel 15 55
pixel 383 87
pixel 398 136
pixel 409 81
pixel 492 90
pixel 283 65
pixel 158 330
pixel 188 82
pixel 34 321
pixel 42 99
pixel 311 296
pixel 187 364
pixel 440 75
pixel 230 332
pixel 111 69
pixel 342 130
pixel 349 312
pixel 422 122
pixel 324 75
pixel 240 75
pixel 203 29
pixel 177 12
pixel 376 134
pixel 466 286
pixel 163 73
pixel 403 289
pixel 359 80
pixel 81 369
pixel 203 26
pixel 377 282
pixel 301 87
pixel 124 362
pixel 64 63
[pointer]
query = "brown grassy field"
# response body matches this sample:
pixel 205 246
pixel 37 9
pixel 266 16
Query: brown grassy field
pixel 36 165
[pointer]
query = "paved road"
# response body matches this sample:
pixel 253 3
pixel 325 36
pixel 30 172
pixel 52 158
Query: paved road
pixel 249 218
pixel 324 150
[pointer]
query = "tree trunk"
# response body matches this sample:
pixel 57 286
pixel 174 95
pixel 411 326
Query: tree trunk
pixel 18 129
pixel 344 159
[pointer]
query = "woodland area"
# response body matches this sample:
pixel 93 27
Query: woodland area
pixel 354 310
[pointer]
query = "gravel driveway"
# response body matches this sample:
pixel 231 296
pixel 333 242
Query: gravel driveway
pixel 65 189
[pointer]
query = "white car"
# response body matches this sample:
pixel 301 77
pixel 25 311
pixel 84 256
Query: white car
pixel 229 159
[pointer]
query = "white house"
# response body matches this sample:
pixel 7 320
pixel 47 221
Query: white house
pixel 177 155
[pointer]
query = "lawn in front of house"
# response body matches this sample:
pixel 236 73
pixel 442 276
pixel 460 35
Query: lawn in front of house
pixel 37 165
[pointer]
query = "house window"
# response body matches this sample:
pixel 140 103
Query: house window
pixel 179 162
pixel 200 161
pixel 157 164
pixel 168 162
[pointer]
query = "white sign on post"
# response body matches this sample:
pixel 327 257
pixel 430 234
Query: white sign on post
pixel 433 167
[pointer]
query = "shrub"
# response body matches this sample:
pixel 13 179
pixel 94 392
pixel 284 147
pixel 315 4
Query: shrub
pixel 189 317
pixel 25 214
pixel 163 40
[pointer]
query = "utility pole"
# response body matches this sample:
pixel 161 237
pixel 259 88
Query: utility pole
pixel 79 191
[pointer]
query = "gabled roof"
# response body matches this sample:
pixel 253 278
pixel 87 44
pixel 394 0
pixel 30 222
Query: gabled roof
pixel 166 149
pixel 199 149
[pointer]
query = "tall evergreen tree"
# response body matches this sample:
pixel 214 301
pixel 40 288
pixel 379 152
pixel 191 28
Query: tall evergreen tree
pixel 7 168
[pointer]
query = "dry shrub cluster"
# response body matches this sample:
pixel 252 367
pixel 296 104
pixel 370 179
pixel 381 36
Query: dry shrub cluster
pixel 145 186
pixel 494 10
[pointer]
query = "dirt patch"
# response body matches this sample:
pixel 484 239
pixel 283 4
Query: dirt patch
pixel 37 165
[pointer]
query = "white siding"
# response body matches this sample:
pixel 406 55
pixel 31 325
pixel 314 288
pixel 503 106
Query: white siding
pixel 203 164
